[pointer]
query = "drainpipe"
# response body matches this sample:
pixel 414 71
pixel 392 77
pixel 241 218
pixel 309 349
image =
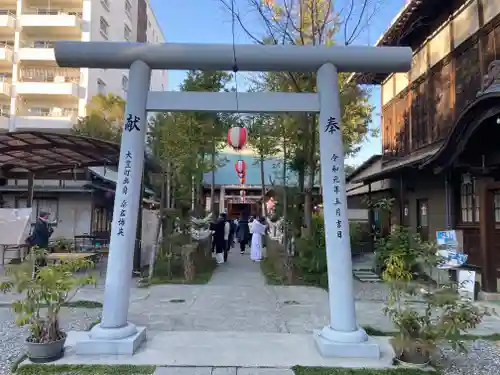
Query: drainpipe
pixel 447 201
pixel 401 200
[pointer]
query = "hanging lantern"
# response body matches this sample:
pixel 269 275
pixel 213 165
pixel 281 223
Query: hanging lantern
pixel 243 194
pixel 237 137
pixel 240 166
pixel 242 180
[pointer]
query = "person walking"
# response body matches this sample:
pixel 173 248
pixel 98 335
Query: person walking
pixel 40 238
pixel 258 229
pixel 220 243
pixel 227 231
pixel 243 233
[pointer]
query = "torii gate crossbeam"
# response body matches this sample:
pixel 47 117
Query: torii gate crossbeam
pixel 342 337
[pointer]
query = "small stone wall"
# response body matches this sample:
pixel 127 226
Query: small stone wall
pixel 196 258
pixel 276 255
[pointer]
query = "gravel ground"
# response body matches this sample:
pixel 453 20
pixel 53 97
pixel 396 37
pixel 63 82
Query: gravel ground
pixel 12 336
pixel 482 358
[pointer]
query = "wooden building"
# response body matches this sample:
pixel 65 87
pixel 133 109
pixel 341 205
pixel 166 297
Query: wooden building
pixel 441 126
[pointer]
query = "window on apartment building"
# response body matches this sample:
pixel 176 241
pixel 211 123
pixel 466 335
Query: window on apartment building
pixel 104 27
pixel 128 9
pixel 127 32
pixel 105 4
pixel 101 87
pixel 125 83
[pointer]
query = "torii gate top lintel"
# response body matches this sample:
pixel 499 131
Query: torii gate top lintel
pixel 218 57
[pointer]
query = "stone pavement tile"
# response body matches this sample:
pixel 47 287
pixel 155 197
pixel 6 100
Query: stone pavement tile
pixel 303 295
pixel 183 371
pixel 224 371
pixel 239 270
pixel 264 371
pixel 163 321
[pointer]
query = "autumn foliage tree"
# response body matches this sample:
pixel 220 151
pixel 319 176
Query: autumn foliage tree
pixel 104 118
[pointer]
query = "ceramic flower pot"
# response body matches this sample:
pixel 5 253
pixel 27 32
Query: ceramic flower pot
pixel 413 357
pixel 45 352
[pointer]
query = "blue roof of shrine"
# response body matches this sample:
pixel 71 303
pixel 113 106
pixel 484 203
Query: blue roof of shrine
pixel 226 174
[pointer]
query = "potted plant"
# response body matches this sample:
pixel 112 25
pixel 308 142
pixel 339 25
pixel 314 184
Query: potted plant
pixel 62 245
pixel 424 316
pixel 42 297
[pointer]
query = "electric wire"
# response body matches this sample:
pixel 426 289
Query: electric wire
pixel 235 62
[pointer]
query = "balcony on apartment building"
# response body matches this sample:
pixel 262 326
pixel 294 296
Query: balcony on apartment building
pixel 4 117
pixel 5 88
pixel 36 118
pixel 65 23
pixel 55 83
pixel 39 50
pixel 6 55
pixel 7 21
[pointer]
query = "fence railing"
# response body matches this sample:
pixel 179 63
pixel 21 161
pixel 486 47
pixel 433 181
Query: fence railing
pixel 38 44
pixel 7 12
pixel 52 12
pixel 56 75
pixel 50 112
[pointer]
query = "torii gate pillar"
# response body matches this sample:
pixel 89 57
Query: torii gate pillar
pixel 342 337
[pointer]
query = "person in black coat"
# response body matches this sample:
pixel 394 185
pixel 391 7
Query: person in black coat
pixel 220 241
pixel 40 236
pixel 243 233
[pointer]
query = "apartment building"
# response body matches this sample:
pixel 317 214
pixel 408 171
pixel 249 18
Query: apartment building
pixel 34 92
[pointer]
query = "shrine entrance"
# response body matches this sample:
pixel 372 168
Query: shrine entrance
pixel 342 337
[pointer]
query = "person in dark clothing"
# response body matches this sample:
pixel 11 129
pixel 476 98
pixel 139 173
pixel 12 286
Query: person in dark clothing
pixel 220 242
pixel 243 233
pixel 40 237
pixel 232 233
pixel 212 228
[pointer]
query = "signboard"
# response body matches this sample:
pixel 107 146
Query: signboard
pixel 466 283
pixel 450 249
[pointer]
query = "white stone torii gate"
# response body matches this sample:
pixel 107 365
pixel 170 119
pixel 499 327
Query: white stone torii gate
pixel 342 337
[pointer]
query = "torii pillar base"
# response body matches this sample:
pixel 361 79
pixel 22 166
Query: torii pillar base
pixel 332 344
pixel 99 342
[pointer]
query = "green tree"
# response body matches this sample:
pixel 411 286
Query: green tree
pixel 104 119
pixel 264 139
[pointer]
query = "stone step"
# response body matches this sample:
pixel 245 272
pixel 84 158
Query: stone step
pixel 222 371
pixel 366 276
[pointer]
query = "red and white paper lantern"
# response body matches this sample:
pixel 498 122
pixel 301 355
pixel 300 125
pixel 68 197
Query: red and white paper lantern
pixel 237 137
pixel 240 166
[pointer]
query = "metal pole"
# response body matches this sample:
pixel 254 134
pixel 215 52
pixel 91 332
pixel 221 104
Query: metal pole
pixel 342 337
pixel 114 323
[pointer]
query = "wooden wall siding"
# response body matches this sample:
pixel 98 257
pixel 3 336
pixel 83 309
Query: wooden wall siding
pixel 401 124
pixel 472 245
pixel 387 119
pixel 492 47
pixel 457 77
pixel 468 77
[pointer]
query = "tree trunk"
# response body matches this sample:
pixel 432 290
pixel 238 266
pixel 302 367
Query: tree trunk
pixel 212 183
pixel 311 168
pixel 263 186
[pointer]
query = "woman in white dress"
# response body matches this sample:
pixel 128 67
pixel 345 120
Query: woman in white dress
pixel 258 229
